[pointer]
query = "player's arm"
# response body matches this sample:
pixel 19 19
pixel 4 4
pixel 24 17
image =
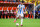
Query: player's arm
pixel 18 7
pixel 24 9
pixel 16 13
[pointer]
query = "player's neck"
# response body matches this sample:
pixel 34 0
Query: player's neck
pixel 21 4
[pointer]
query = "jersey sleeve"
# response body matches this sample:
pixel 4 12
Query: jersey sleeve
pixel 18 6
pixel 24 7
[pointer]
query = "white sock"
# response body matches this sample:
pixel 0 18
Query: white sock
pixel 15 18
pixel 21 20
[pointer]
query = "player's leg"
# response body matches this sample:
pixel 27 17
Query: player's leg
pixel 16 18
pixel 21 19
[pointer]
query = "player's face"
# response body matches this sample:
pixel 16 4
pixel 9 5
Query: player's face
pixel 21 3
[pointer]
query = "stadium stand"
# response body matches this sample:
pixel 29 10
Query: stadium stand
pixel 0 8
pixel 10 6
pixel 4 8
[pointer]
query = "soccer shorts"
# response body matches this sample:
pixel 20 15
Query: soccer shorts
pixel 19 15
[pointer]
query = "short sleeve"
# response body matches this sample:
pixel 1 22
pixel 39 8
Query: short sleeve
pixel 18 6
pixel 24 6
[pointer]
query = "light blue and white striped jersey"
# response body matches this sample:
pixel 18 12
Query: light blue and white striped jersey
pixel 20 11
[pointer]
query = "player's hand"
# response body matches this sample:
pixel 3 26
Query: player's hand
pixel 24 12
pixel 14 21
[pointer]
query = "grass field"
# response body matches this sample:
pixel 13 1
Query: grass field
pixel 26 23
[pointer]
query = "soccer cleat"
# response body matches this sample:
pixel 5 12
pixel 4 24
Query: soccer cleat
pixel 21 25
pixel 14 21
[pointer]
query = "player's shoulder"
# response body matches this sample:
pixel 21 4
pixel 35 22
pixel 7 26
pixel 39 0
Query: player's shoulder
pixel 19 4
pixel 23 5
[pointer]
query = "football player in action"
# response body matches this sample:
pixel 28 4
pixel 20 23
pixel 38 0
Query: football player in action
pixel 20 12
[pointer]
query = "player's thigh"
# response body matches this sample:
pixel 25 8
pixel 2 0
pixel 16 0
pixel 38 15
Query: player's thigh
pixel 17 15
pixel 21 15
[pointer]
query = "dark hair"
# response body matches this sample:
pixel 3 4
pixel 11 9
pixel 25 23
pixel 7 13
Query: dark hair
pixel 22 1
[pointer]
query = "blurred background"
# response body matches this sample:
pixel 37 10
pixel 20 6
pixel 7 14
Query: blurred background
pixel 8 8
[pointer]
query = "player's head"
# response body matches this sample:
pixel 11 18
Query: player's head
pixel 21 3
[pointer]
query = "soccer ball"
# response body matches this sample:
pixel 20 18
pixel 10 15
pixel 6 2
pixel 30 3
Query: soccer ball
pixel 17 24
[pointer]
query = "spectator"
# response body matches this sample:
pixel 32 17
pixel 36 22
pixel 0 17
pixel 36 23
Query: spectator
pixel 14 13
pixel 17 0
pixel 9 13
pixel 36 14
pixel 0 13
pixel 14 0
pixel 5 13
pixel 39 13
pixel 8 0
pixel 3 0
pixel 11 0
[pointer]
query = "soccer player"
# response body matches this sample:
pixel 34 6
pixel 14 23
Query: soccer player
pixel 20 12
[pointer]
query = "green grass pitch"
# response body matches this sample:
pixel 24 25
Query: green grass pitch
pixel 26 23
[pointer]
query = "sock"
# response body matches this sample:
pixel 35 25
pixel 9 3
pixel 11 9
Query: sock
pixel 21 20
pixel 15 18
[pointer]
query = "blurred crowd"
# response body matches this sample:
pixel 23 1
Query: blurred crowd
pixel 7 13
pixel 37 14
pixel 29 9
pixel 13 13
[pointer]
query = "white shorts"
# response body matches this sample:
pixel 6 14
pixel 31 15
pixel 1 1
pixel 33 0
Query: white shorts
pixel 19 15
